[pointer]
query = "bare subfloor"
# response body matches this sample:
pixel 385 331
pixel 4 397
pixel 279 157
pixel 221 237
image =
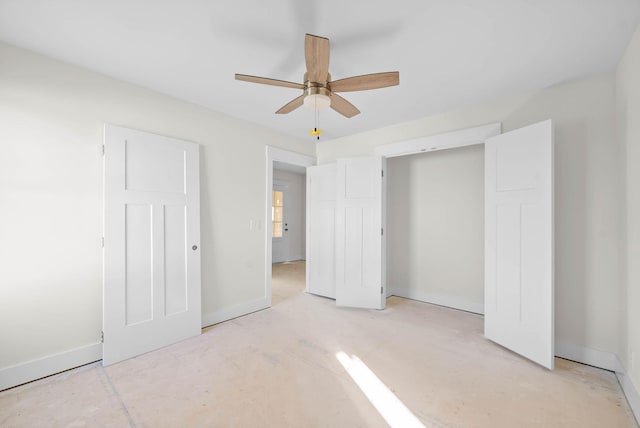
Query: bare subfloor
pixel 278 367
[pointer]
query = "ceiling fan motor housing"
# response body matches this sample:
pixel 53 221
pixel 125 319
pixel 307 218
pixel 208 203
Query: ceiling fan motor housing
pixel 317 95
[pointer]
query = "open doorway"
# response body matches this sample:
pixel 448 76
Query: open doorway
pixel 518 234
pixel 285 221
pixel 435 225
pixel 288 242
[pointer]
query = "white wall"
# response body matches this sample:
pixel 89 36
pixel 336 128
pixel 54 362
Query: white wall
pixel 628 115
pixel 588 291
pixel 296 191
pixel 51 122
pixel 435 227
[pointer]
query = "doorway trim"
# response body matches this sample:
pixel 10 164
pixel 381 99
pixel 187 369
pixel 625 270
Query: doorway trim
pixel 447 140
pixel 275 154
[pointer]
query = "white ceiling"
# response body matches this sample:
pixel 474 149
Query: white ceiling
pixel 450 53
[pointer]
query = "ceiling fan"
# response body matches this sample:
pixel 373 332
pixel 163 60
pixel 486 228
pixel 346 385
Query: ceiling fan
pixel 318 90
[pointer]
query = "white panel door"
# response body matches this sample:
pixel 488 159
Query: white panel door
pixel 279 217
pixel 321 232
pixel 359 281
pixel 151 242
pixel 519 242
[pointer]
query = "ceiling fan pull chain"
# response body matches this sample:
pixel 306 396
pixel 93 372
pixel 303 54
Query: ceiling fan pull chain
pixel 316 129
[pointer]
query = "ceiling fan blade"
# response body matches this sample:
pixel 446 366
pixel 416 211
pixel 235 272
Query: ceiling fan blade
pixel 316 55
pixel 291 105
pixel 343 106
pixel 267 81
pixel 366 81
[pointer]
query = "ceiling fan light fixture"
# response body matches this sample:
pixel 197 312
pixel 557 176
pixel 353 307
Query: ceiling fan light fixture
pixel 317 101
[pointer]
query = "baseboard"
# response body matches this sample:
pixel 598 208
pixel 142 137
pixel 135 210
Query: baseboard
pixel 630 391
pixel 236 311
pixel 604 360
pixel 52 364
pixel 581 354
pixel 440 300
pixel 46 366
pixel 593 357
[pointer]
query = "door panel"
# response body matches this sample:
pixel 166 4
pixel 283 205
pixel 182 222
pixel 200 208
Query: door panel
pixel 151 240
pixel 154 169
pixel 519 242
pixel 321 213
pixel 138 264
pixel 359 269
pixel 176 255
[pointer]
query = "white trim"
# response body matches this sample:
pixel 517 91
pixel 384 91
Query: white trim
pixel 49 365
pixel 448 140
pixel 438 299
pixel 285 156
pixel 603 360
pixel 580 354
pixel 280 155
pixel 593 357
pixel 235 311
pixel 631 393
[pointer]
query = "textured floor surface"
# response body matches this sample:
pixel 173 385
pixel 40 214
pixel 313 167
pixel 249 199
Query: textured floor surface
pixel 278 367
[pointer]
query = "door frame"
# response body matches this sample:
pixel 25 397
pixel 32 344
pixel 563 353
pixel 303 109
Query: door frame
pixel 275 154
pixel 447 140
pixel 468 137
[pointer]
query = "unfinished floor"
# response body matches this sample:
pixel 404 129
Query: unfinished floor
pixel 278 367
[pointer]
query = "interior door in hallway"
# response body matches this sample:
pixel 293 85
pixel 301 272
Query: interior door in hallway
pixel 151 242
pixel 279 218
pixel 519 299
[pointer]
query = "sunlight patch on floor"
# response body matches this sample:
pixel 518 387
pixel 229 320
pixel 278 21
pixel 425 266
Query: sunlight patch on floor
pixel 386 403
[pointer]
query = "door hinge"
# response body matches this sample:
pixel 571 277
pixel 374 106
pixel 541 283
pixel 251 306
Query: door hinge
pixel 103 150
pixel 382 172
pixel 381 289
pixel 381 231
pixel 103 242
pixel 102 337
